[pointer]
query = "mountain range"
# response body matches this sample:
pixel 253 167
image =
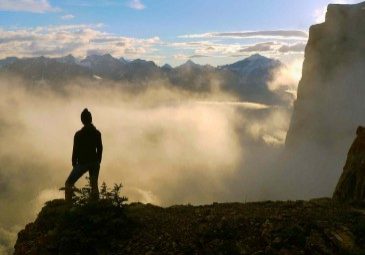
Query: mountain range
pixel 247 78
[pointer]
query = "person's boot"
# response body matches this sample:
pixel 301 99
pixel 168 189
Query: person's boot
pixel 94 196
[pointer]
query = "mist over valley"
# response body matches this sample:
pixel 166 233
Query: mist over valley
pixel 260 128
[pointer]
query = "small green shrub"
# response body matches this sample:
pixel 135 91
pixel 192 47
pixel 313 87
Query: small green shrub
pixel 113 194
pixel 83 196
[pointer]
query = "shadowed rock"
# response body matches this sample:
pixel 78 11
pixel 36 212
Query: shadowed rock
pixel 351 186
pixel 318 226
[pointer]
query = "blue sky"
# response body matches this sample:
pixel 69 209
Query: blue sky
pixel 207 31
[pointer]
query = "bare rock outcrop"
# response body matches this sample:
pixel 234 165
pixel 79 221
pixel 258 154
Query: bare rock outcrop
pixel 351 186
pixel 314 227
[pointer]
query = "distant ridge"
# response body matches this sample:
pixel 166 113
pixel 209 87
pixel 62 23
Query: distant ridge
pixel 247 78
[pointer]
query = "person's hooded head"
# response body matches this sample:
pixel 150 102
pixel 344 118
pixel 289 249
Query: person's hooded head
pixel 360 130
pixel 86 117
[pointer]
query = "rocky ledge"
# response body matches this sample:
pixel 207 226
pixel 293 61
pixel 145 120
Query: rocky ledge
pixel 319 226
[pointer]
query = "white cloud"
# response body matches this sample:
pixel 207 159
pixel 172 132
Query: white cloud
pixel 207 48
pixel 274 34
pixel 136 4
pixel 228 49
pixel 37 6
pixel 181 57
pixel 297 47
pixel 79 40
pixel 82 40
pixel 199 56
pixel 67 16
pixel 260 47
pixel 320 13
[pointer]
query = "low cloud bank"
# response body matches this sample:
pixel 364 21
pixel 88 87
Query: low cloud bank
pixel 166 145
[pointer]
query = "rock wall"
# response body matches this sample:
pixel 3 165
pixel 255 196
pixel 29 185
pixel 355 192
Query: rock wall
pixel 331 99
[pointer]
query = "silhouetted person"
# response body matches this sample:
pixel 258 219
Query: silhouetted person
pixel 86 156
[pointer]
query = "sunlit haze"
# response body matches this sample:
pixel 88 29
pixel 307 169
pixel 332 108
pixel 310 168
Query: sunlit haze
pixel 197 101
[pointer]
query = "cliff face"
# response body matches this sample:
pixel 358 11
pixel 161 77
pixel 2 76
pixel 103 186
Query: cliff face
pixel 331 93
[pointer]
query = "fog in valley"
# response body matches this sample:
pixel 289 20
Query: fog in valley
pixel 242 112
pixel 167 146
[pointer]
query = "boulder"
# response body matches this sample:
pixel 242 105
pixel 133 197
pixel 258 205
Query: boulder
pixel 351 186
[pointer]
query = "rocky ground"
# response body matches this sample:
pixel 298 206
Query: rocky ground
pixel 318 226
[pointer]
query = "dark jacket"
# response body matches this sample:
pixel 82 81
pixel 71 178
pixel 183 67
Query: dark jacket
pixel 88 147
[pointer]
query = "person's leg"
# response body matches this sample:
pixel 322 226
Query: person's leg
pixel 94 175
pixel 75 174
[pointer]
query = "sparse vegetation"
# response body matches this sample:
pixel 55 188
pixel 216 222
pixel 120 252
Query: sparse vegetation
pixel 110 195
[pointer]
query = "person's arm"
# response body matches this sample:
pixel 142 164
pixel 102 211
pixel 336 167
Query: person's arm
pixel 99 147
pixel 75 151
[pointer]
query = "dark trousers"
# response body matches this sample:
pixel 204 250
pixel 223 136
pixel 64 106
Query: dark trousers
pixel 76 173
